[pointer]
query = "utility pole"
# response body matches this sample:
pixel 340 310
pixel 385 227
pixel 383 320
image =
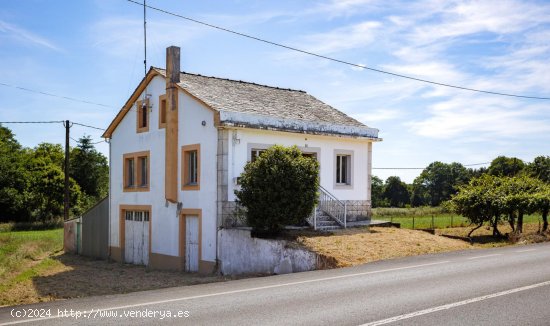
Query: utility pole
pixel 66 199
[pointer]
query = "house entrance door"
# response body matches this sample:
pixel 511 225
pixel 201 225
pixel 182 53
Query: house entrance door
pixel 191 243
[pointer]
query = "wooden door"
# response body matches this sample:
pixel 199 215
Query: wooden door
pixel 192 243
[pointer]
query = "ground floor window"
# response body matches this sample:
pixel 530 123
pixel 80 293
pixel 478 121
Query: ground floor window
pixel 255 153
pixel 343 169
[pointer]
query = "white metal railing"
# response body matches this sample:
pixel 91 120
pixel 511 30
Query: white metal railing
pixel 312 218
pixel 332 206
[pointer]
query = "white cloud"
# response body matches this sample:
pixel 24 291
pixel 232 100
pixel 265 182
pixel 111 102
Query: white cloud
pixel 481 117
pixel 21 35
pixel 378 115
pixel 121 36
pixel 349 37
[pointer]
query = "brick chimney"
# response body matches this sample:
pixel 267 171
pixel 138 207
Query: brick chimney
pixel 171 162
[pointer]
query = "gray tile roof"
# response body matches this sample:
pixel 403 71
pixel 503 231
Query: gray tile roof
pixel 249 98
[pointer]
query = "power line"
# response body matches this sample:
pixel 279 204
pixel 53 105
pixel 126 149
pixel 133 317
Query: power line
pixel 87 126
pixel 334 59
pixel 92 143
pixel 76 123
pixel 55 95
pixel 31 122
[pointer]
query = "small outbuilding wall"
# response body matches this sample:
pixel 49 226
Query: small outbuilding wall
pixel 95 231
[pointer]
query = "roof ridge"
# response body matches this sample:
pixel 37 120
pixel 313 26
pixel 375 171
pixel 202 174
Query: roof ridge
pixel 239 81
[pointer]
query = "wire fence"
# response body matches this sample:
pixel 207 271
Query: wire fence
pixel 426 222
pixel 439 221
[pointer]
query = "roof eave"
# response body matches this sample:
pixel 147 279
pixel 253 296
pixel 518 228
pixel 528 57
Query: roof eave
pixel 130 102
pixel 253 121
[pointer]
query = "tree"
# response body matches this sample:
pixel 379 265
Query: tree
pixel 437 182
pixel 518 195
pixel 48 185
pixel 377 190
pixel 479 201
pixel 539 168
pixel 278 188
pixel 503 166
pixel 89 168
pixel 14 178
pixel 489 198
pixel 541 203
pixel 51 153
pixel 396 192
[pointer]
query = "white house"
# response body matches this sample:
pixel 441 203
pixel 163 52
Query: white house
pixel 180 142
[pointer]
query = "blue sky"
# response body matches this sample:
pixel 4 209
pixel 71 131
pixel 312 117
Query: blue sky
pixel 93 50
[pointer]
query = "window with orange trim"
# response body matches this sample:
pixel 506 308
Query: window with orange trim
pixel 142 116
pixel 136 171
pixel 191 167
pixel 162 111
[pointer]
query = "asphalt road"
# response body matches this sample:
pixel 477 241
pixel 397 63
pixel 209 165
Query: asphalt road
pixel 503 286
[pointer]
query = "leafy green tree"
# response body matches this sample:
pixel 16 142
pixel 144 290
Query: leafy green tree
pixel 14 179
pixel 278 188
pixel 489 198
pixel 51 153
pixel 90 169
pixel 539 168
pixel 480 201
pixel 503 166
pixel 396 192
pixel 437 182
pixel 377 190
pixel 541 203
pixel 419 194
pixel 518 195
pixel 48 184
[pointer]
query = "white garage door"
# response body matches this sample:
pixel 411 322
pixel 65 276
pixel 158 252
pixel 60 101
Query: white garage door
pixel 192 243
pixel 136 244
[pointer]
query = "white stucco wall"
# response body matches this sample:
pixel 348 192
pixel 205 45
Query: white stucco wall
pixel 191 116
pixel 326 147
pixel 125 140
pixel 164 216
pixel 241 254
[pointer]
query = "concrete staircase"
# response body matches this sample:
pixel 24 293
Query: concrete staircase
pixel 325 222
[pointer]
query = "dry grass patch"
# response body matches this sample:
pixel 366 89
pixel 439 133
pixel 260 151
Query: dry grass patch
pixel 352 247
pixel 484 235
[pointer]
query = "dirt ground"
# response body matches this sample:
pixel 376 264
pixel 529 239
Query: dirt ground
pixel 71 276
pixel 352 247
pixel 63 276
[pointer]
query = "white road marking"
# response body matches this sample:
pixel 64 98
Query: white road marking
pixel 235 291
pixel 526 250
pixel 454 305
pixel 484 256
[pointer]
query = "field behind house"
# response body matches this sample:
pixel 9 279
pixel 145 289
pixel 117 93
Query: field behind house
pixel 428 217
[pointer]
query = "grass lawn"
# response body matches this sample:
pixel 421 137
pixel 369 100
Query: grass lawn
pixel 24 254
pixel 21 250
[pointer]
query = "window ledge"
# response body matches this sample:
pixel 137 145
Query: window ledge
pixel 191 187
pixel 136 189
pixel 343 186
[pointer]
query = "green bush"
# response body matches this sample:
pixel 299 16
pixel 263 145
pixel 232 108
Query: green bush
pixel 278 188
